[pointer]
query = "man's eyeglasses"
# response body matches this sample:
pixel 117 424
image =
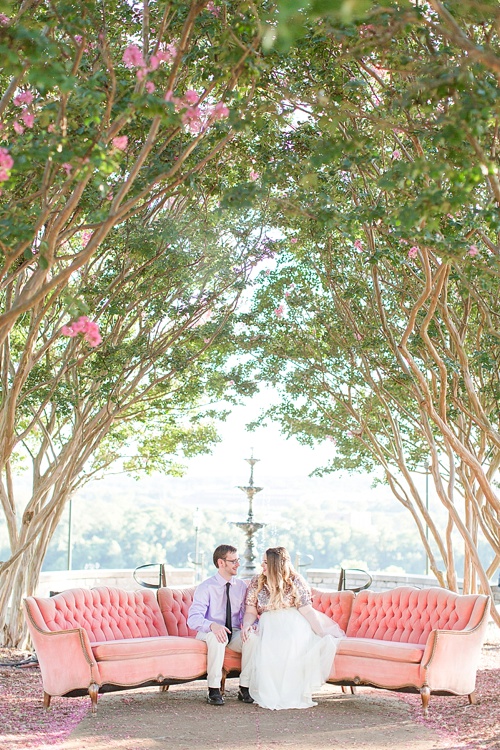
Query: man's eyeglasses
pixel 236 560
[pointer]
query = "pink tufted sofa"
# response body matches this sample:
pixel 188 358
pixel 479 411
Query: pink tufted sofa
pixel 103 639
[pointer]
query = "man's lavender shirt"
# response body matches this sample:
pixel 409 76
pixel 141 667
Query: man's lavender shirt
pixel 209 603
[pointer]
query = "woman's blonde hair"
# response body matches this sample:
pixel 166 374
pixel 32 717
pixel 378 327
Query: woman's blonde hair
pixel 279 577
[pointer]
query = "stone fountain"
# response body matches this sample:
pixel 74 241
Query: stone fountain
pixel 250 527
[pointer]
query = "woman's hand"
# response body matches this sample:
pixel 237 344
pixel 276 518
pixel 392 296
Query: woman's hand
pixel 245 633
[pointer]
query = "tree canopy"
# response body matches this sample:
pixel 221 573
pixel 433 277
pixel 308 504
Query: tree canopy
pixel 153 154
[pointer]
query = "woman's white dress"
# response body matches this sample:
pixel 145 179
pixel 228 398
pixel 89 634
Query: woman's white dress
pixel 290 661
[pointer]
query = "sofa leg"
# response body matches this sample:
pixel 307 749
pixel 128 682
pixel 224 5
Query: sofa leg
pixel 425 694
pixel 164 688
pixel 94 692
pixel 354 691
pixel 472 698
pixel 348 688
pixel 46 700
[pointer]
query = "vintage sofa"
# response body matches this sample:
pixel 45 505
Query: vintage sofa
pixel 103 639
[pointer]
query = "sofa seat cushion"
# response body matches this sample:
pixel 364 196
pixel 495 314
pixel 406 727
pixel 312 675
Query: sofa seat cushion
pixel 140 648
pixel 368 648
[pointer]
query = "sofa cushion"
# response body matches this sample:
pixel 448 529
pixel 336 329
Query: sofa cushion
pixel 139 648
pixel 368 648
pixel 105 613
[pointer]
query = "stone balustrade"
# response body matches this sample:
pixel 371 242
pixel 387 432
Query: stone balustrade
pixel 326 578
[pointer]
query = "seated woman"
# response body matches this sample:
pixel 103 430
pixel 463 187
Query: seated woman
pixel 296 644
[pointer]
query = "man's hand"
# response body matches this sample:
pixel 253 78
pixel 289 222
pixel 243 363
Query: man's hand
pixel 220 632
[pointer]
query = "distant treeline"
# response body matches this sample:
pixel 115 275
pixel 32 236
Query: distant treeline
pixel 122 535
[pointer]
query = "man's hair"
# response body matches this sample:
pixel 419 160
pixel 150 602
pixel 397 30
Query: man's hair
pixel 221 551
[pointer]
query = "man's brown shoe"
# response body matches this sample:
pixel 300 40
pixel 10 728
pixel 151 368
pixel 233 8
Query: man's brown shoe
pixel 214 697
pixel 244 695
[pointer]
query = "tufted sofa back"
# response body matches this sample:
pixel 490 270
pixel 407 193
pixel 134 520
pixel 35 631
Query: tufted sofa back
pixel 174 606
pixel 334 604
pixel 105 613
pixel 408 615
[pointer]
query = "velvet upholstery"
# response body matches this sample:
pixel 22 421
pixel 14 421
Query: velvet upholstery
pixel 425 640
pixel 91 640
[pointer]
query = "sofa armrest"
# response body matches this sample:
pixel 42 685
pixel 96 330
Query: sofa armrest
pixel 451 658
pixel 65 658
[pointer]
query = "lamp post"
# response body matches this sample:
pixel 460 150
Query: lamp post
pixel 427 468
pixel 70 532
pixel 196 522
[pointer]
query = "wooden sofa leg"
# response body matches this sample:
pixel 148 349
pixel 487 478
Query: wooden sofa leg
pixel 473 698
pixel 425 694
pixel 164 688
pixel 348 688
pixel 46 700
pixel 94 692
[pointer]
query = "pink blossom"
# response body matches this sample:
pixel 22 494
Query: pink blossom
pixel 120 142
pixel 150 87
pixel 279 311
pixel 51 128
pixel 86 237
pixel 268 271
pixel 396 154
pixel 294 240
pixel 230 382
pixel 473 250
pixel 413 252
pixel 88 328
pixel 191 118
pixel 213 9
pixel 132 57
pixel 191 97
pixel 6 164
pixel 67 167
pixel 154 62
pixel 18 127
pixel 27 118
pixel 141 74
pixel 78 38
pixel 331 439
pixel 25 97
pixel 359 336
pixel 358 245
pixel 4 20
pixel 254 175
pixel 169 53
pixel 163 55
pixel 220 111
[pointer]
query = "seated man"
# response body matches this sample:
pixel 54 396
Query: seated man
pixel 217 613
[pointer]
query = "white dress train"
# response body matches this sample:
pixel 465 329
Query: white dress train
pixel 290 661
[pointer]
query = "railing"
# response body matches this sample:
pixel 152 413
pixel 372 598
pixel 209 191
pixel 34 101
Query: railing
pixel 162 577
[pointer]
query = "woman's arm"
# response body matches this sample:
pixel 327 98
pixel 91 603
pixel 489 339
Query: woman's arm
pixel 320 623
pixel 249 619
pixel 310 614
